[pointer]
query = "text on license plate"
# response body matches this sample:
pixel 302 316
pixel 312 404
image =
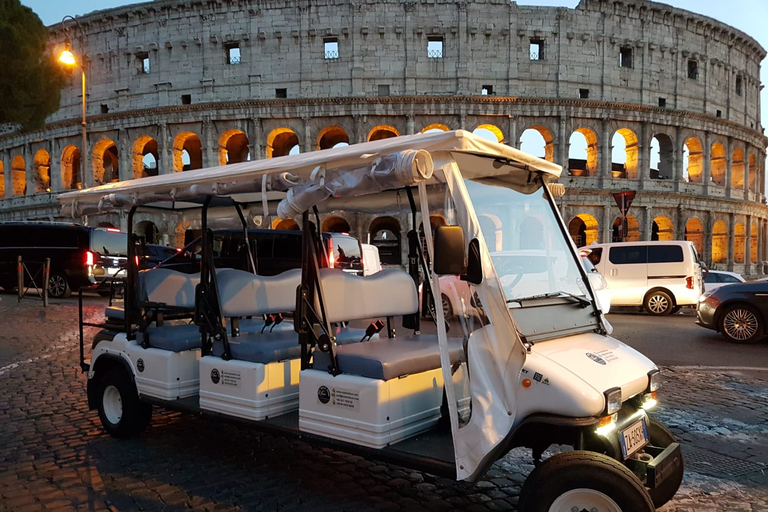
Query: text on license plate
pixel 633 438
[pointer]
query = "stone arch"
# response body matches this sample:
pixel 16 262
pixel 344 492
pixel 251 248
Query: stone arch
pixel 737 168
pixel 695 155
pixel 435 127
pixel 752 172
pixel 545 134
pixel 281 141
pixel 662 228
pixel 717 164
pixel 382 131
pixel 694 232
pixel 70 168
pixel 492 229
pixel 587 139
pixel 753 244
pixel 628 168
pixel 662 157
pixel 632 229
pixel 233 147
pixel 584 229
pixel 148 230
pixel 144 147
pixel 19 175
pixel 187 152
pixel 41 165
pixel 105 162
pixel 385 234
pixel 492 129
pixel 331 136
pixel 719 242
pixel 2 180
pixel 739 242
pixel 285 224
pixel 335 224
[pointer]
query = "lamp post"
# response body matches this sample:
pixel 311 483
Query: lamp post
pixel 68 58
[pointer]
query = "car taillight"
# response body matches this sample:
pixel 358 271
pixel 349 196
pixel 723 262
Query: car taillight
pixel 137 260
pixel 331 257
pixel 89 258
pixel 689 282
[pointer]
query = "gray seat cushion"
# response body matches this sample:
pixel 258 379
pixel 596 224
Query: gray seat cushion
pixel 262 348
pixel 175 338
pixel 386 358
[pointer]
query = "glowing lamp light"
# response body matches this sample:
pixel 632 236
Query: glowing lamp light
pixel 68 58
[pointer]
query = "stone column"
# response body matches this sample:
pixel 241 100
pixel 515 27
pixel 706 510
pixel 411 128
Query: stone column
pixel 164 149
pixel 677 160
pixel 606 157
pixel 359 121
pixel 748 246
pixel 210 148
pixel 707 163
pixel 728 166
pixel 607 225
pixel 410 125
pixel 54 172
pixel 647 223
pixel 512 136
pixel 747 173
pixel 680 224
pixel 731 241
pixel 563 145
pixel 643 156
pixel 124 156
pixel 29 168
pixel 256 145
pixel 7 173
pixel 708 222
pixel 307 147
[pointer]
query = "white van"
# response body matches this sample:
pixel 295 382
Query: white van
pixel 660 276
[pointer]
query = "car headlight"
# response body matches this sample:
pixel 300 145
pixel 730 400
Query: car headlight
pixel 612 401
pixel 654 381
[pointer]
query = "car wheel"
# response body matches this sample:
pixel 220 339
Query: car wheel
pixel 741 323
pixel 447 309
pixel 57 285
pixel 583 480
pixel 121 412
pixel 658 303
pixel 661 437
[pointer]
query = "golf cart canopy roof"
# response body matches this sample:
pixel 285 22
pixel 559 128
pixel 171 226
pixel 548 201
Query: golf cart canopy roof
pixel 312 177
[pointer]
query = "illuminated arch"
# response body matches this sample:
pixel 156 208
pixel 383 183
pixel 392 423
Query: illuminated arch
pixel 530 142
pixel 233 147
pixel 143 154
pixel 331 136
pixel 662 229
pixel 41 164
pixel 662 157
pixel 719 242
pixel 717 164
pixel 694 232
pixel 626 138
pixel 335 224
pixel 752 172
pixel 187 152
pixel 583 229
pixel 19 175
pixel 490 128
pixel 285 224
pixel 70 168
pixel 435 127
pixel 692 150
pixel 739 242
pixel 633 229
pixel 753 244
pixel 382 131
pixel 281 141
pixel 385 234
pixel 2 181
pixel 105 162
pixel 587 139
pixel 737 169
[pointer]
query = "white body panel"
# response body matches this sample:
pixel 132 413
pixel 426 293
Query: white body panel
pixel 248 390
pixel 369 412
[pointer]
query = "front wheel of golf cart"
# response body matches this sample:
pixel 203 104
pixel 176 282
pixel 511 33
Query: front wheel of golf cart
pixel 661 437
pixel 121 412
pixel 582 480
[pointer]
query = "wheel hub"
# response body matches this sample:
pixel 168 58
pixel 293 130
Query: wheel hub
pixel 584 500
pixel 113 405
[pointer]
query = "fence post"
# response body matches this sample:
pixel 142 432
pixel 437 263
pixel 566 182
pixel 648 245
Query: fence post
pixel 20 276
pixel 46 275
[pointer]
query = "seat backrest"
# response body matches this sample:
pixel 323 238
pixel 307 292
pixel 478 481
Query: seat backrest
pixel 246 294
pixel 390 292
pixel 169 287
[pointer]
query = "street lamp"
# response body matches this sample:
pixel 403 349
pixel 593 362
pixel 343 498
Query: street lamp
pixel 68 58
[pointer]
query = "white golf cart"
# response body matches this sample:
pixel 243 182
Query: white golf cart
pixel 345 360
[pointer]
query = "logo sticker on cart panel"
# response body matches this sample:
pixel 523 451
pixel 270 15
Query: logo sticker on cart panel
pixel 140 365
pixel 215 377
pixel 338 397
pixel 229 378
pixel 323 394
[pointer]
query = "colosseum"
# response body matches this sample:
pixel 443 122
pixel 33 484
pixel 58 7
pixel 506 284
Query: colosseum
pixel 627 95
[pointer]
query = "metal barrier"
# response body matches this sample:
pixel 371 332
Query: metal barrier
pixel 21 269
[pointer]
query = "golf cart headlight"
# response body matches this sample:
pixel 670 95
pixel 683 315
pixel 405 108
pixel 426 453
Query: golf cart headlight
pixel 654 381
pixel 612 401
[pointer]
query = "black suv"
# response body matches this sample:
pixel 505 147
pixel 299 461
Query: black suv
pixel 80 256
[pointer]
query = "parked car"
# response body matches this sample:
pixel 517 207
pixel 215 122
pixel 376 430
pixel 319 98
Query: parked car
pixel 153 255
pixel 371 260
pixel 598 282
pixel 717 278
pixel 738 311
pixel 81 256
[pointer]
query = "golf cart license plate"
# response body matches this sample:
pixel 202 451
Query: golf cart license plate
pixel 633 438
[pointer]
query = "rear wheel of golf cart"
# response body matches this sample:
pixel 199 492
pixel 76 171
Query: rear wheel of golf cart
pixel 582 480
pixel 121 412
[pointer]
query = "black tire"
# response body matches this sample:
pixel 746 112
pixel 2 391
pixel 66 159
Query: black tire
pixel 447 309
pixel 741 323
pixel 121 412
pixel 661 437
pixel 58 287
pixel 583 480
pixel 658 303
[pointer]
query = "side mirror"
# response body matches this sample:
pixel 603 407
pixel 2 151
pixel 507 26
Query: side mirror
pixel 474 264
pixel 449 250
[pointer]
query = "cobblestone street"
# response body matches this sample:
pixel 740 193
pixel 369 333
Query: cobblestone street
pixel 54 455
